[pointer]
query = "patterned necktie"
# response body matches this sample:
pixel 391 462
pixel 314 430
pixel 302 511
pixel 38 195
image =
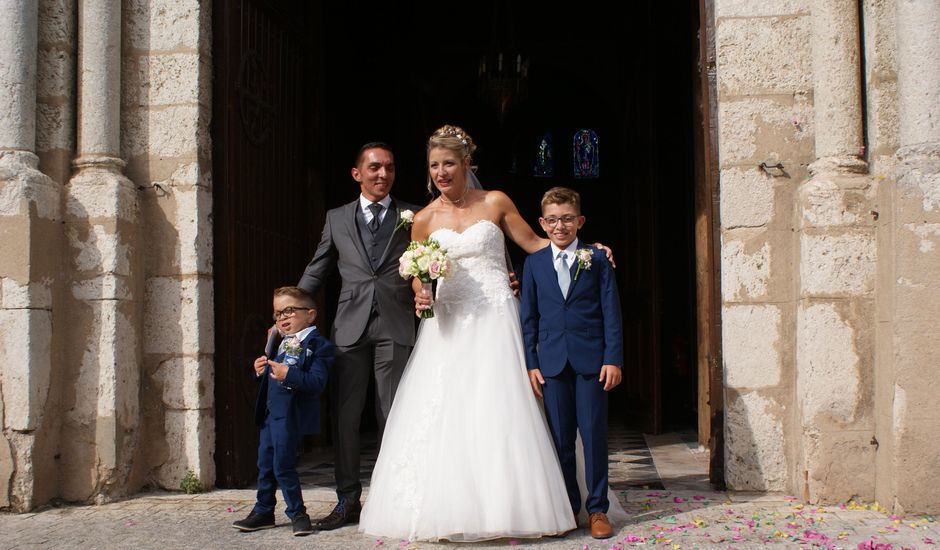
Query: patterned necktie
pixel 376 209
pixel 564 274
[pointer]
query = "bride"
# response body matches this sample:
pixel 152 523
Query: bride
pixel 467 454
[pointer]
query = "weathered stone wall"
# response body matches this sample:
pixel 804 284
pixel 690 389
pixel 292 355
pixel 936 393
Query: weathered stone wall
pixel 166 107
pixel 837 259
pixel 106 306
pixel 765 115
pixel 55 146
pixel 881 90
pixel 909 291
pixel 829 265
pixel 29 248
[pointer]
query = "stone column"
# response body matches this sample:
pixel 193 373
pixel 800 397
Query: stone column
pixel 29 215
pixel 765 126
pixel 101 216
pixel 916 235
pixel 835 316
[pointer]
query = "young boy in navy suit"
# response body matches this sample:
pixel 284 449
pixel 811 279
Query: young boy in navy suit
pixel 574 349
pixel 288 407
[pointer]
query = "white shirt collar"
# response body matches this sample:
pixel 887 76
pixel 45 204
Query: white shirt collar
pixel 303 333
pixel 364 203
pixel 570 250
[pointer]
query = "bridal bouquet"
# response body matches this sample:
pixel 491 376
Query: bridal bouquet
pixel 427 261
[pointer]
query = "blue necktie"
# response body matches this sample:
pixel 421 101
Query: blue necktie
pixel 564 274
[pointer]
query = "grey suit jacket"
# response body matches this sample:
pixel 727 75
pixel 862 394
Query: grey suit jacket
pixel 341 246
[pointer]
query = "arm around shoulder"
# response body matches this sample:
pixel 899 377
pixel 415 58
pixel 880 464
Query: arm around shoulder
pixel 610 306
pixel 512 223
pixel 323 261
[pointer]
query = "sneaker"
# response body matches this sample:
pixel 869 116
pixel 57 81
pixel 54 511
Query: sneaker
pixel 300 525
pixel 255 522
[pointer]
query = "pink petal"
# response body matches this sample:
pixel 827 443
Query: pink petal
pixel 678 499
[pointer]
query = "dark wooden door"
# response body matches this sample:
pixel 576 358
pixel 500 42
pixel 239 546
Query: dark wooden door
pixel 267 206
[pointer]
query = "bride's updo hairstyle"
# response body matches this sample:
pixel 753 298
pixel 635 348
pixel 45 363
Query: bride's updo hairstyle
pixel 453 138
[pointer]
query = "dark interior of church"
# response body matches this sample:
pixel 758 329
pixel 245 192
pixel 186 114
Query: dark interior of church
pixel 394 73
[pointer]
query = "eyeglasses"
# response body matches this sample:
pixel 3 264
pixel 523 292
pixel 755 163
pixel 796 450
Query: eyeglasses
pixel 552 221
pixel 288 312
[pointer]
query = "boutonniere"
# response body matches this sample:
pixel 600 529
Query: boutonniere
pixel 584 260
pixel 404 219
pixel 292 347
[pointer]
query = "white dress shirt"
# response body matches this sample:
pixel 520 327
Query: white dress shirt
pixel 364 206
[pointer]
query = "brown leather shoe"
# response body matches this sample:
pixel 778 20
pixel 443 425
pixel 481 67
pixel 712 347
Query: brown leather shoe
pixel 600 526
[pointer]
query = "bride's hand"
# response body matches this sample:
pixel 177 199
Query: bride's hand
pixel 610 254
pixel 422 302
pixel 514 284
pixel 536 381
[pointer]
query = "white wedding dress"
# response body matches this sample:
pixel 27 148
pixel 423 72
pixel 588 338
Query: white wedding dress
pixel 467 454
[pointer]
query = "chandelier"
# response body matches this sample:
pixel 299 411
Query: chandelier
pixel 503 80
pixel 503 72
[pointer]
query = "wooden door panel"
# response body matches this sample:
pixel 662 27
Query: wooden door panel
pixel 264 218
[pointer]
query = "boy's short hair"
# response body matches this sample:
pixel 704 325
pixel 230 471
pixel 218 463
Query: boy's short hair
pixel 562 195
pixel 306 299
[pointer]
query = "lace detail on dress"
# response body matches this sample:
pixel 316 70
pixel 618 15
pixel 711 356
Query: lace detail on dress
pixel 480 274
pixel 408 465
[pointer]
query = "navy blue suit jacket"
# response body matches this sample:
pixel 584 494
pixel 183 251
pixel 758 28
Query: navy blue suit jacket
pixel 298 400
pixel 583 328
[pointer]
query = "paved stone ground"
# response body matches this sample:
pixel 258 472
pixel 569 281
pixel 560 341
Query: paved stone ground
pixel 678 512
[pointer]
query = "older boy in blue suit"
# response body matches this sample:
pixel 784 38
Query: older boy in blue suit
pixel 288 407
pixel 574 350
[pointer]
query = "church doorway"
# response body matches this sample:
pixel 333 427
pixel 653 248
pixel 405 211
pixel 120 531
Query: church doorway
pixel 395 75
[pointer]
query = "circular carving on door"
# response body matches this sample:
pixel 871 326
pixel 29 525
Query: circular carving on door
pixel 256 99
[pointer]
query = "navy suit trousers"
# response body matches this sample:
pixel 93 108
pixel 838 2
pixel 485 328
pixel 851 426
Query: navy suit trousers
pixel 577 402
pixel 277 466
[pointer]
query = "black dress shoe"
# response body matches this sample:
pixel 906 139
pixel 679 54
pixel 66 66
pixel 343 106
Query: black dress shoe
pixel 300 525
pixel 343 513
pixel 255 522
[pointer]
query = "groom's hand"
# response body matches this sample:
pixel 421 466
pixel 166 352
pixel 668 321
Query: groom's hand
pixel 610 376
pixel 536 380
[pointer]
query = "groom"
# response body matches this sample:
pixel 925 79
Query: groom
pixel 374 324
pixel 574 347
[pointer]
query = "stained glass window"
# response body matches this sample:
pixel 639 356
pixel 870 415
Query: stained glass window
pixel 587 162
pixel 544 163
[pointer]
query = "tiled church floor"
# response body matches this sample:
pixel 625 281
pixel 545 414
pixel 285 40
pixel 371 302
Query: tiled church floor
pixel 630 461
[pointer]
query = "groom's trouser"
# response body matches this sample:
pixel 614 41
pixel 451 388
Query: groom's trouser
pixel 577 402
pixel 375 353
